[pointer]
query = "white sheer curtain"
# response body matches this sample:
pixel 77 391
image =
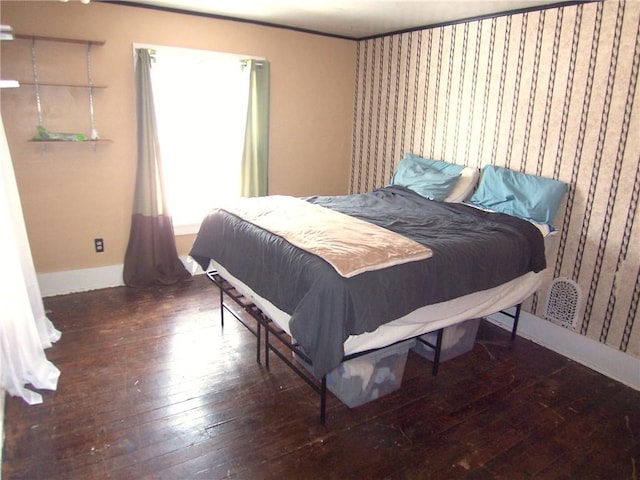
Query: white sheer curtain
pixel 25 331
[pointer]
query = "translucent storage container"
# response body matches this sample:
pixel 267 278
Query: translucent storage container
pixel 456 340
pixel 370 376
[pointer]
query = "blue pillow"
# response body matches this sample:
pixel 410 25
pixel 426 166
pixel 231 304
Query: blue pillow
pixel 519 194
pixel 432 179
pixel 439 165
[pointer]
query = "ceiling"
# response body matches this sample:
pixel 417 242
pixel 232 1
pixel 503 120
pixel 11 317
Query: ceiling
pixel 354 19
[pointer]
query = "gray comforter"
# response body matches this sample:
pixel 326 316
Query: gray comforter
pixel 473 250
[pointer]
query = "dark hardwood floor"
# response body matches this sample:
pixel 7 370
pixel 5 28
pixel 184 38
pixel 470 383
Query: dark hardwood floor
pixel 153 387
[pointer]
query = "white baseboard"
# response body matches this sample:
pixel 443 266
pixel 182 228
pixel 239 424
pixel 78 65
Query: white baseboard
pixel 595 355
pixel 72 281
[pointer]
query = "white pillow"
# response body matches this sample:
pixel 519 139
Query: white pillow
pixel 464 186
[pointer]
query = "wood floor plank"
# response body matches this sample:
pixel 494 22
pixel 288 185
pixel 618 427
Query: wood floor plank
pixel 152 386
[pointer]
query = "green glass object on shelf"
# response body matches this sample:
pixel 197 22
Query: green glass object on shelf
pixel 45 135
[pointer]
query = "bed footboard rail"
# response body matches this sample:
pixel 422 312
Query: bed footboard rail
pixel 241 301
pixel 293 349
pixel 264 322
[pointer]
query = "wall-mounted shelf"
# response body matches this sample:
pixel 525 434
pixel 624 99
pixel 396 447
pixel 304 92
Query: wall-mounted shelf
pixel 22 36
pixel 43 144
pixel 56 84
pixel 50 142
pixel 6 33
pixel 9 84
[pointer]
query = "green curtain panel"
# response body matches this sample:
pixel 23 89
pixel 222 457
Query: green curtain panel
pixel 151 256
pixel 256 144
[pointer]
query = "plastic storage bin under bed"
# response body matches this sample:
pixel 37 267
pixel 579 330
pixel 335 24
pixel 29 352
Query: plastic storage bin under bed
pixel 456 340
pixel 370 376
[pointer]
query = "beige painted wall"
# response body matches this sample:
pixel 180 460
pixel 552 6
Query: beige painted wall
pixel 72 194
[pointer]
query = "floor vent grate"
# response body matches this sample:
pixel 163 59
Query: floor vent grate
pixel 563 302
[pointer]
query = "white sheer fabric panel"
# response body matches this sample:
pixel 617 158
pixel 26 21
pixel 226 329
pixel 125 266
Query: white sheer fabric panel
pixel 25 331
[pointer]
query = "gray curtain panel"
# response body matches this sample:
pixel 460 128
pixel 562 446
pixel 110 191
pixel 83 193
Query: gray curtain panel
pixel 151 256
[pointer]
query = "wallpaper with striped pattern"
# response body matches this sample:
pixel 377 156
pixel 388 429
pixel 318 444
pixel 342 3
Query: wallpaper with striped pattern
pixel 550 92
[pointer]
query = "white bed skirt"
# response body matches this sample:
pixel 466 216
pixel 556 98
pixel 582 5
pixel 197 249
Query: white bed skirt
pixel 423 320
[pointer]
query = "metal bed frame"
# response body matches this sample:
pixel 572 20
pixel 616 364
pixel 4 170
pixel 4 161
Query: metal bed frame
pixel 263 322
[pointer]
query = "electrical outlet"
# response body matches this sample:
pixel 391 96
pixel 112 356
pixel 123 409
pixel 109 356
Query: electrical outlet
pixel 99 243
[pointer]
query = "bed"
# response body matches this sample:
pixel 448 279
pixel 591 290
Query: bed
pixel 476 260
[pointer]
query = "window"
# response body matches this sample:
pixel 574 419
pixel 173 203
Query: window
pixel 201 111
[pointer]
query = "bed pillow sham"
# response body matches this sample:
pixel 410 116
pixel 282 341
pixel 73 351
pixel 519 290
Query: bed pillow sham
pixel 435 179
pixel 464 187
pixel 421 176
pixel 523 195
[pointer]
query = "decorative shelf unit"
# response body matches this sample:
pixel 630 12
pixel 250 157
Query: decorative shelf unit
pixel 37 83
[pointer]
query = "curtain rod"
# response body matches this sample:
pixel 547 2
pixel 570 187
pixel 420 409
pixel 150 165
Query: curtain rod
pixel 157 47
pixel 259 63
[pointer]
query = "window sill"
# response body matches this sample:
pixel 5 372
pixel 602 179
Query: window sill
pixel 186 229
